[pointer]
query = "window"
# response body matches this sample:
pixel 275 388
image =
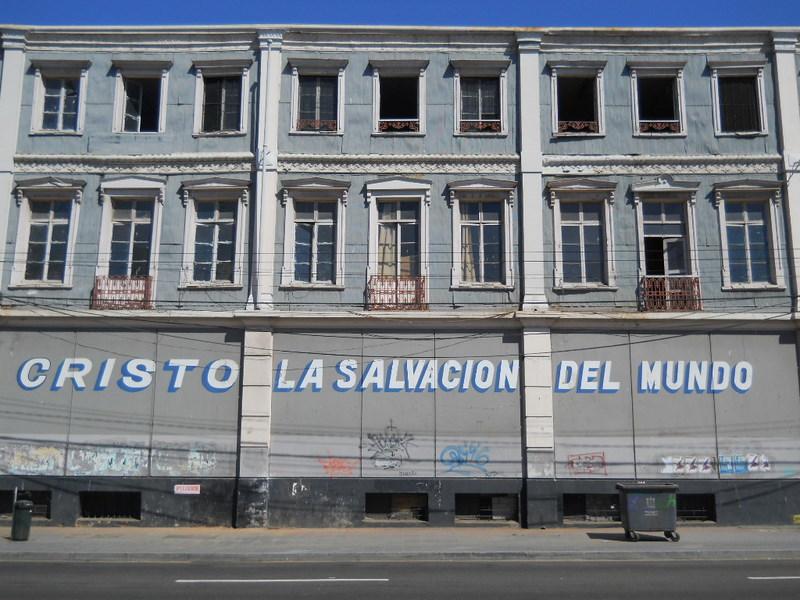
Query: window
pixel 479 92
pixel 583 234
pixel 141 104
pixel 577 98
pixel 739 100
pixel 657 93
pixel 398 238
pixel 398 97
pixel 749 213
pixel 314 241
pixel 221 97
pixel 59 96
pixel 481 242
pixel 317 95
pixel 665 247
pixel 131 235
pixel 46 232
pixel 141 96
pixel 214 250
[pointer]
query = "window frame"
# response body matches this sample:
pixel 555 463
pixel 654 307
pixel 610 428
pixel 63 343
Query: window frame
pixel 722 69
pixel 209 190
pixel 126 70
pixel 586 69
pixel 317 68
pixel 315 189
pixel 642 70
pixel 481 69
pixel 45 189
pixel 399 68
pixel 221 68
pixel 749 190
pixel 584 190
pixel 489 190
pixel 52 69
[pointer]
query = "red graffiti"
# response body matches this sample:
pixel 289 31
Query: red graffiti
pixel 337 467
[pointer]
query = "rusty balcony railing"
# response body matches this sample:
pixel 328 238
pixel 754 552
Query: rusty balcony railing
pixel 670 293
pixel 122 293
pixel 396 293
pixel 478 126
pixel 316 125
pixel 672 126
pixel 398 125
pixel 578 127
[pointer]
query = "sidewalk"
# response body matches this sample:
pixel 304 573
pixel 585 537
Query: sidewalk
pixel 454 543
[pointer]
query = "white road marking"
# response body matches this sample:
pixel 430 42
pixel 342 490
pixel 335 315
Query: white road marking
pixel 327 580
pixel 777 577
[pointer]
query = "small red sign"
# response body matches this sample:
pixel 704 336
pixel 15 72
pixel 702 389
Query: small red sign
pixel 187 489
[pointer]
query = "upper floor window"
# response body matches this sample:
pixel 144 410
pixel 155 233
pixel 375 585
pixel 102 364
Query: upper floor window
pixel 59 102
pixel 739 99
pixel 317 95
pixel 131 237
pixel 221 94
pixel 657 93
pixel 141 96
pixel 398 238
pixel 314 241
pixel 398 96
pixel 577 98
pixel 480 96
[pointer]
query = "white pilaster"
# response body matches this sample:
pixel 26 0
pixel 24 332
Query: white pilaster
pixel 269 88
pixel 538 399
pixel 532 234
pixel 788 108
pixel 256 404
pixel 13 44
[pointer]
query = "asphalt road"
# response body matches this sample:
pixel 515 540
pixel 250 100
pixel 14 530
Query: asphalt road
pixel 676 580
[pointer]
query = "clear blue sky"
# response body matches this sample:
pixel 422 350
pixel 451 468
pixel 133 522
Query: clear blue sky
pixel 405 12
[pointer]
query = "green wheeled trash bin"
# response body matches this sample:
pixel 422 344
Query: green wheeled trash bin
pixel 649 507
pixel 21 522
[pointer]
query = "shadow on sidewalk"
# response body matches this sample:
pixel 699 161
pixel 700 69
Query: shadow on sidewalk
pixel 620 537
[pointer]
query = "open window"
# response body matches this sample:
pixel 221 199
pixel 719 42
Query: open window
pixel 739 98
pixel 479 92
pixel 141 96
pixel 317 95
pixel 59 96
pixel 221 97
pixel 658 98
pixel 398 91
pixel 577 98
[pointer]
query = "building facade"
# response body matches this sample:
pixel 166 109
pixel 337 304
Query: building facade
pixel 334 276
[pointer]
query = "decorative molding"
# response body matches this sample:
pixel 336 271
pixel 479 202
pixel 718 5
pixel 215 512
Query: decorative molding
pixel 398 164
pixel 732 164
pixel 163 164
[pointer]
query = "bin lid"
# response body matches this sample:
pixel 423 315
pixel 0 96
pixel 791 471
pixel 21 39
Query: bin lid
pixel 24 504
pixel 648 487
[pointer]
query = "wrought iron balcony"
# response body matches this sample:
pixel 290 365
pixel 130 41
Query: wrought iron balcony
pixel 670 293
pixel 578 127
pixel 398 125
pixel 122 293
pixel 316 125
pixel 672 126
pixel 474 126
pixel 396 293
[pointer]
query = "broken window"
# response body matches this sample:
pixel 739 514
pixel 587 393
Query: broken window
pixel 739 109
pixel 480 104
pixel 318 103
pixel 665 242
pixel 577 104
pixel 399 105
pixel 658 105
pixel 405 507
pixel 110 505
pixel 60 111
pixel 142 104
pixel 222 104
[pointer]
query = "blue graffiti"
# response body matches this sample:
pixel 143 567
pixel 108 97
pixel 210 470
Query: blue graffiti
pixel 469 458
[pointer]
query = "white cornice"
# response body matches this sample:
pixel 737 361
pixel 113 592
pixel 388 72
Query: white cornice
pixel 658 165
pixel 657 42
pixel 166 164
pixel 139 40
pixel 398 164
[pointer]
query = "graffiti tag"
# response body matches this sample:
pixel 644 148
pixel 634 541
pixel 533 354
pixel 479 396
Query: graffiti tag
pixel 389 448
pixel 469 457
pixel 592 463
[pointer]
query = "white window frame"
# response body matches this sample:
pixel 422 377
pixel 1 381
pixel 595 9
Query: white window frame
pixel 399 188
pixel 398 68
pixel 662 70
pixel 48 188
pixel 489 190
pixel 58 69
pixel 480 68
pixel 720 69
pixel 584 190
pixel 206 190
pixel 220 68
pixel 749 190
pixel 315 189
pixel 665 189
pixel 321 68
pixel 125 70
pixel 130 188
pixel 578 69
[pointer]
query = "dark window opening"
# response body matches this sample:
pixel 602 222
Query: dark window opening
pixel 397 507
pixel 486 507
pixel 142 103
pixel 591 507
pixel 577 105
pixel 111 505
pixel 222 105
pixel 318 104
pixel 738 105
pixel 696 507
pixel 399 104
pixel 40 498
pixel 658 105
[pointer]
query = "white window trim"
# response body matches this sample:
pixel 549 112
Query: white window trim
pixel 584 190
pixel 657 69
pixel 48 188
pixel 314 189
pixel 136 188
pixel 398 68
pixel 399 188
pixel 666 189
pixel 751 190
pixel 480 68
pixel 318 67
pixel 220 68
pixel 578 69
pixel 504 191
pixel 139 70
pixel 209 190
pixel 58 69
pixel 722 69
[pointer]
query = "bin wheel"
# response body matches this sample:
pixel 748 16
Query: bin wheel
pixel 632 535
pixel 672 536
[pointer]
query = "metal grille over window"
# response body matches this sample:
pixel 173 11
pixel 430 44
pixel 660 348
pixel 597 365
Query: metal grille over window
pixel 748 242
pixel 738 104
pixel 481 242
pixel 214 242
pixel 399 104
pixel 60 105
pixel 315 242
pixel 480 105
pixel 222 104
pixel 658 105
pixel 318 103
pixel 48 239
pixel 582 242
pixel 142 101
pixel 577 105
